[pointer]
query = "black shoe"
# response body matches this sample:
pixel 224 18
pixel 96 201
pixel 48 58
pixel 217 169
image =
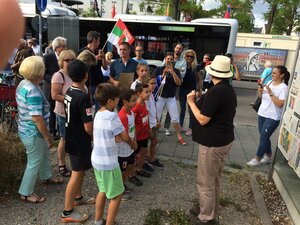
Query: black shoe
pixel 157 163
pixel 195 210
pixel 136 181
pixel 143 173
pixel 55 137
pixel 148 168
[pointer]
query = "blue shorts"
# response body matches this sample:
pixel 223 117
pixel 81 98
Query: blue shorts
pixel 61 121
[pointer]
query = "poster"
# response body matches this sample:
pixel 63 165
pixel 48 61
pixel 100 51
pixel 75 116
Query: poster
pixel 250 61
pixel 289 133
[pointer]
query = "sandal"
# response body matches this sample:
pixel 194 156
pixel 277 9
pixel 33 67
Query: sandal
pixel 64 171
pixel 54 180
pixel 33 198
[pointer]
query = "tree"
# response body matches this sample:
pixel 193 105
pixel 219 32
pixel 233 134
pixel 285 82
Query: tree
pixel 269 16
pixel 286 18
pixel 89 12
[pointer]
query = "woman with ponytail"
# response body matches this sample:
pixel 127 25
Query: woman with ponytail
pixel 270 111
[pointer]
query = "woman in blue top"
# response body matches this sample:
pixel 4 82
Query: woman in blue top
pixel 32 128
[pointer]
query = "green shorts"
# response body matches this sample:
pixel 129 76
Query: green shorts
pixel 110 182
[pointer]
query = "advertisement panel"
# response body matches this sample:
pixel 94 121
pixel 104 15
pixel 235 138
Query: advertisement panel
pixel 250 61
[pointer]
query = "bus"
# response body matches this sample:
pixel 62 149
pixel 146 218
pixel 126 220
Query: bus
pixel 157 34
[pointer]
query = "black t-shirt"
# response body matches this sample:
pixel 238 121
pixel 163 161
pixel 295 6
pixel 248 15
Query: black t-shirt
pixel 219 103
pixel 189 80
pixel 169 89
pixel 78 112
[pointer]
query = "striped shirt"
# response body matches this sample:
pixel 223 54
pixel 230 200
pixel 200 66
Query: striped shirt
pixel 107 125
pixel 31 102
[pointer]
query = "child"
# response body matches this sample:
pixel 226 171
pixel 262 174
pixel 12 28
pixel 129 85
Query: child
pixel 142 127
pixel 78 136
pixel 126 152
pixel 107 130
pixel 142 72
pixel 154 125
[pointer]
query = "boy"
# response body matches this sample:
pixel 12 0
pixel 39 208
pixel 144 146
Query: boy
pixel 107 130
pixel 78 135
pixel 154 125
pixel 125 151
pixel 142 127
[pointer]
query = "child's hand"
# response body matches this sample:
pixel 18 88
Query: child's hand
pixel 118 139
pixel 158 124
pixel 133 145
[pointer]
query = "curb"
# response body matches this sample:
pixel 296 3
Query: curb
pixel 262 210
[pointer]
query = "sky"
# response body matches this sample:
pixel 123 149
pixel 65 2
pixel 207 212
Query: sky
pixel 258 9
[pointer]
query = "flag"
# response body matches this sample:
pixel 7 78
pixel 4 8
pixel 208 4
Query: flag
pixel 119 34
pixel 113 11
pixel 167 10
pixel 227 14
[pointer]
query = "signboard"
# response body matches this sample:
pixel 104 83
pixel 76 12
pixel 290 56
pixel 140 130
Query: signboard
pixel 250 61
pixel 41 4
pixel 289 133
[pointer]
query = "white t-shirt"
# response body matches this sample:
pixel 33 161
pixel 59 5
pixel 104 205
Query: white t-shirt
pixel 105 153
pixel 105 72
pixel 124 149
pixel 151 107
pixel 134 83
pixel 268 109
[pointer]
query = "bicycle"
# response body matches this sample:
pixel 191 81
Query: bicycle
pixel 8 106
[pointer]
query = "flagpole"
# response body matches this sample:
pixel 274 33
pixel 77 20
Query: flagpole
pixel 109 36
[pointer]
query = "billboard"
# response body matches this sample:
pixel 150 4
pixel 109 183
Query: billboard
pixel 250 61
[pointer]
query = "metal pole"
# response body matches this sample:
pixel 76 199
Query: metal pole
pixel 40 32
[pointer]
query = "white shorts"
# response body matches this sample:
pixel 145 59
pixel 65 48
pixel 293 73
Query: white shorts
pixel 171 106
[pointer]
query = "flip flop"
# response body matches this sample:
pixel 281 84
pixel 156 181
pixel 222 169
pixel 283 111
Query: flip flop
pixel 54 180
pixel 37 199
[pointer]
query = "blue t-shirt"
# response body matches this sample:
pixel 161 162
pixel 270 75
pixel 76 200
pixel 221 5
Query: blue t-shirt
pixel 266 75
pixel 118 67
pixel 31 102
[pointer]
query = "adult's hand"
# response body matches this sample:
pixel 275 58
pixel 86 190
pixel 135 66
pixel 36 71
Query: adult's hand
pixel 10 17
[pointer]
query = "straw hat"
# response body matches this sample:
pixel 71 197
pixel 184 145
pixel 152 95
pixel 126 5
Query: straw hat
pixel 220 67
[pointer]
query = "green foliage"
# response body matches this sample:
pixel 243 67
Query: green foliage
pixel 89 12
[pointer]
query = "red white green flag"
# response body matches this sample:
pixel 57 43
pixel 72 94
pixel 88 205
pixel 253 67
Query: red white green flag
pixel 119 34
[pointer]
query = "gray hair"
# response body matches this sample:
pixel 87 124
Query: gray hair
pixel 268 63
pixel 56 43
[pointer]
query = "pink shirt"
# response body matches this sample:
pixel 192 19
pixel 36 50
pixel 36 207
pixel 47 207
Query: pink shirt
pixel 57 78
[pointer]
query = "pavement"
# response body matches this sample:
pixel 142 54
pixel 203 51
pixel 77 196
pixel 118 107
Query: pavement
pixel 245 128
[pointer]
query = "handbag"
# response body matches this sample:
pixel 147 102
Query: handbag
pixel 256 104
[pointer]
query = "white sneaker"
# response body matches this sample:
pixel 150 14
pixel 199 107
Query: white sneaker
pixel 266 160
pixel 253 162
pixel 167 132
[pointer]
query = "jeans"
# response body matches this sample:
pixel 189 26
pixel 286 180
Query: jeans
pixel 266 128
pixel 182 101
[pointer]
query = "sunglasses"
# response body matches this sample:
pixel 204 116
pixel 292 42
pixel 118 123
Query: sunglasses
pixel 68 60
pixel 190 56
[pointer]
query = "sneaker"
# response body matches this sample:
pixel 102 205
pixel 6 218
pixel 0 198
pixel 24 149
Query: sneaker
pixel 157 163
pixel 136 181
pixel 188 132
pixel 84 201
pixel 167 132
pixel 74 217
pixel 253 162
pixel 182 141
pixel 266 160
pixel 143 173
pixel 148 167
pixel 126 197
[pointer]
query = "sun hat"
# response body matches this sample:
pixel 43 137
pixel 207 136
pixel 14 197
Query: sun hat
pixel 220 67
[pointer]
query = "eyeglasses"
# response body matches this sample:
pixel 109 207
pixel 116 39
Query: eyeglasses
pixel 190 56
pixel 206 58
pixel 133 100
pixel 68 60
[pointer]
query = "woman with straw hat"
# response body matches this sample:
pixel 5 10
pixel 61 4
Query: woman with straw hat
pixel 213 131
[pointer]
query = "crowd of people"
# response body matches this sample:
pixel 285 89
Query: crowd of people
pixel 118 137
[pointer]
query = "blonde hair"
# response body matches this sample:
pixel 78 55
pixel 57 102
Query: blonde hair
pixel 32 68
pixel 63 55
pixel 87 57
pixel 107 55
pixel 195 62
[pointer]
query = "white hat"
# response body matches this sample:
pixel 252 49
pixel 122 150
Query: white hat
pixel 220 67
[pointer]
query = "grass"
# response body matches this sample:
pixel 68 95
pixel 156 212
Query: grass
pixel 13 160
pixel 162 217
pixel 235 165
